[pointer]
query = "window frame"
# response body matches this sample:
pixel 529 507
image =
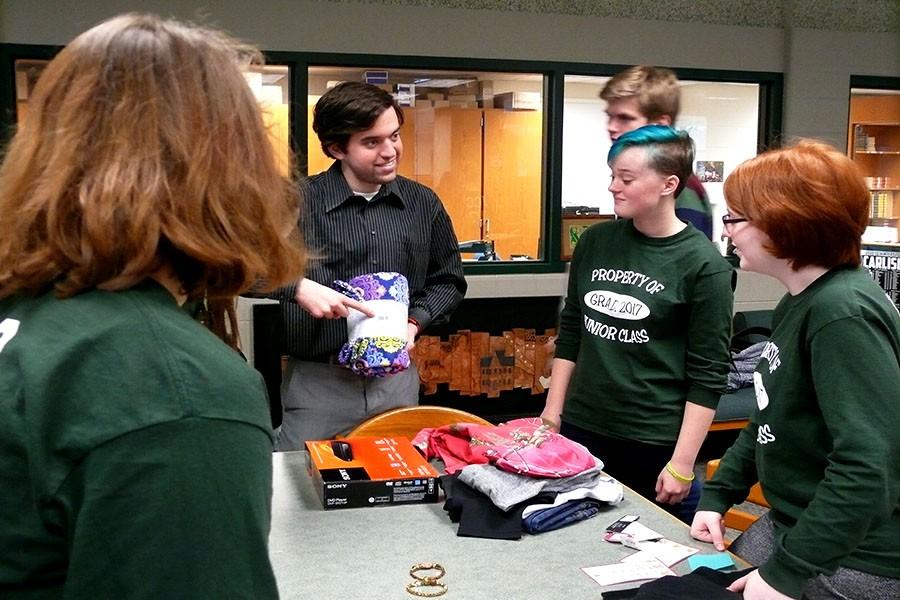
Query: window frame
pixel 553 72
pixel 9 54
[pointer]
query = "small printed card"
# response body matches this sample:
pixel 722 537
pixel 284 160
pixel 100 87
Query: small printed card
pixel 622 523
pixel 627 571
pixel 666 551
pixel 634 531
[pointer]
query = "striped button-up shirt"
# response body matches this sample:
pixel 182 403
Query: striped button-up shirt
pixel 404 228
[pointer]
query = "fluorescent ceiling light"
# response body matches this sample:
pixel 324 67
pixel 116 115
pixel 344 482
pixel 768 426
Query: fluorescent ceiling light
pixel 441 83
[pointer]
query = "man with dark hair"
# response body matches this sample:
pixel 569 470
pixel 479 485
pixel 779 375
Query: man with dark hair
pixel 360 217
pixel 643 95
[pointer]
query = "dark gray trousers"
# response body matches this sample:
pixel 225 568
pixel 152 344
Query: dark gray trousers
pixel 322 400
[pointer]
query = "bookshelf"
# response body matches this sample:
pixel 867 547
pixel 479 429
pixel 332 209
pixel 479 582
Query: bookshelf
pixel 875 147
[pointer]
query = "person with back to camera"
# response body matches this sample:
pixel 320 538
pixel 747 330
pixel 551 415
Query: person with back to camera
pixel 360 217
pixel 643 95
pixel 824 442
pixel 135 446
pixel 642 355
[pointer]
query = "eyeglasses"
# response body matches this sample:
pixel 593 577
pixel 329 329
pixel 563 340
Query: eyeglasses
pixel 729 220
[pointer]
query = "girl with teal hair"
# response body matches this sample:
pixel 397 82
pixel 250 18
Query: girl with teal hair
pixel 642 354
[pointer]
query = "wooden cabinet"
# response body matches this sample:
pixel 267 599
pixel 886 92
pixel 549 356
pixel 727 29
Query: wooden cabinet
pixel 27 72
pixel 485 164
pixel 512 181
pixel 449 161
pixel 316 161
pixel 275 118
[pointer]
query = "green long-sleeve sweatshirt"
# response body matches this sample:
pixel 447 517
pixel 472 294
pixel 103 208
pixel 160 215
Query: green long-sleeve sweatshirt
pixel 135 453
pixel 647 322
pixel 825 440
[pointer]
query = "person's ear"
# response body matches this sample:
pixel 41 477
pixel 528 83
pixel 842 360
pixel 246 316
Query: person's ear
pixel 336 152
pixel 670 184
pixel 663 120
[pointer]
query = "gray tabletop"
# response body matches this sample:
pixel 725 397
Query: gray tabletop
pixel 366 553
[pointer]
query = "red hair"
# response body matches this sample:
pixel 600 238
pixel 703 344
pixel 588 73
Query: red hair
pixel 810 199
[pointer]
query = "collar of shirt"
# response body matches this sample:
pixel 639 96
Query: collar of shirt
pixel 335 180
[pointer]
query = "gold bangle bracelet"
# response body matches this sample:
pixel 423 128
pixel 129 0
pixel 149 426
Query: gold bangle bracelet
pixel 430 579
pixel 414 587
pixel 671 471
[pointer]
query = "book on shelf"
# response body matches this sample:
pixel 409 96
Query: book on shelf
pixel 881 205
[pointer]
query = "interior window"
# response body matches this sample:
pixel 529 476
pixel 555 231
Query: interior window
pixel 270 85
pixel 475 138
pixel 722 118
pixel 27 73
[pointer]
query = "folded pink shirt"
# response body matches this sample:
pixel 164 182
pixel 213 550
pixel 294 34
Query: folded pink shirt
pixel 524 446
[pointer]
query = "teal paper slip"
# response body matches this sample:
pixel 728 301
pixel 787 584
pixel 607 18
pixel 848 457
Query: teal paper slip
pixel 720 560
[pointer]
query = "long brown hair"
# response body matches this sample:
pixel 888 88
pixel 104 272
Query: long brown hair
pixel 144 149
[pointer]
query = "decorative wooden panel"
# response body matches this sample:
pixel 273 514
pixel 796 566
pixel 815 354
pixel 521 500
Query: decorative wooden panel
pixel 475 362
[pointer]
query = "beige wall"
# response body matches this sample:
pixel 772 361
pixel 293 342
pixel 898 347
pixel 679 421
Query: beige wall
pixel 418 30
pixel 753 292
pixel 817 64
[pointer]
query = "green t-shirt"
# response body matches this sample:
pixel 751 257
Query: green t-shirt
pixel 135 453
pixel 647 322
pixel 825 440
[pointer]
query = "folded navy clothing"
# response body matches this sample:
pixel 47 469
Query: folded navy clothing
pixel 560 516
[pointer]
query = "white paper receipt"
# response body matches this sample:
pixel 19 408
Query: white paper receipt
pixel 623 572
pixel 637 531
pixel 666 551
pixel 389 320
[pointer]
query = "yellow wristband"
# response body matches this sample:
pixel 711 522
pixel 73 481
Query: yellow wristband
pixel 678 476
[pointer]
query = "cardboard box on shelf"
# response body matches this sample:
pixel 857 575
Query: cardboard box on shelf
pixel 373 471
pixel 518 100
pixel 486 95
pixel 464 101
pixel 405 93
pixel 469 87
